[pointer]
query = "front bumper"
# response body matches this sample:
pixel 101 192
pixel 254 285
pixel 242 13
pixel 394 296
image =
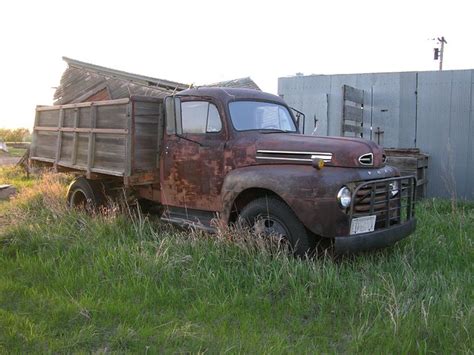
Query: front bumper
pixel 374 240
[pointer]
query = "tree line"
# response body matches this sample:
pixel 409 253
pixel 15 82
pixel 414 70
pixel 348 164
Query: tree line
pixel 15 135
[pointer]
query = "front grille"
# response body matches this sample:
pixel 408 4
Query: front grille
pixel 375 198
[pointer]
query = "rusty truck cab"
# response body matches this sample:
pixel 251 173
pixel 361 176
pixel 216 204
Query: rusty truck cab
pixel 212 167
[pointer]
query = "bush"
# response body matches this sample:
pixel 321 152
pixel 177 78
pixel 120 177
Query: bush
pixel 15 135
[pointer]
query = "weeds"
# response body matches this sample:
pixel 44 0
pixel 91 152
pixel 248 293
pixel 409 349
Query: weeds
pixel 125 282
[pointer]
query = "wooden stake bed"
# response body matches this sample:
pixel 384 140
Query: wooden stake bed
pixel 116 137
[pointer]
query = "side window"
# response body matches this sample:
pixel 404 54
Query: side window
pixel 214 123
pixel 200 117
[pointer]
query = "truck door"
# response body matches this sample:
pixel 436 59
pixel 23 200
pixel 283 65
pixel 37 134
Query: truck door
pixel 192 161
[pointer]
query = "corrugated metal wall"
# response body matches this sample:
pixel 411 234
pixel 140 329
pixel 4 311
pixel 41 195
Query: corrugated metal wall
pixel 432 111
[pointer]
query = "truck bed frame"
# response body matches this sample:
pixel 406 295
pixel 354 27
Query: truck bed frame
pixel 118 138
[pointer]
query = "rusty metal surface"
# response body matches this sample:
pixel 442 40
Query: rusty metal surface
pixel 209 171
pixel 309 192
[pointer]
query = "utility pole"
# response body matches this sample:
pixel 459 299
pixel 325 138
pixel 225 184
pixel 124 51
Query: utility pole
pixel 439 52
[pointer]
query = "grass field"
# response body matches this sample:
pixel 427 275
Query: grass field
pixel 70 282
pixel 16 152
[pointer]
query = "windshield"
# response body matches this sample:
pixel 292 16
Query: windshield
pixel 256 115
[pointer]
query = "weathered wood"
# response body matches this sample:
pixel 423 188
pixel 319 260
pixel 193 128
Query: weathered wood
pixel 130 140
pixel 353 113
pixel 83 130
pixel 125 144
pixel 411 162
pixel 352 128
pixel 352 110
pixel 403 163
pixel 59 139
pixel 34 136
pixel 353 94
pixel 74 142
pixel 82 104
pixel 90 155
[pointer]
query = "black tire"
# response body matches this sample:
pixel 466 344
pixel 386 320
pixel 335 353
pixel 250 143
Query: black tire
pixel 85 194
pixel 276 211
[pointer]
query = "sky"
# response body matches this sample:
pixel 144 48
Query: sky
pixel 207 41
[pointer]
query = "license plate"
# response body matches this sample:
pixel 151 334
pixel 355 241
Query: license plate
pixel 363 224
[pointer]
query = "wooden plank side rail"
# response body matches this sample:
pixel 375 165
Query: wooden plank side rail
pixel 59 138
pixel 83 104
pixel 83 130
pixel 128 141
pixel 116 137
pixel 75 138
pixel 34 138
pixel 91 145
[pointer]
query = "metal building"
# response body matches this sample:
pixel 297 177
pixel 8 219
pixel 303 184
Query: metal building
pixel 430 110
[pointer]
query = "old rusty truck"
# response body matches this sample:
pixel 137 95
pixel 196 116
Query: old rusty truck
pixel 221 154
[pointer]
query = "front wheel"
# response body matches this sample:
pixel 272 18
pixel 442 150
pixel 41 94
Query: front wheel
pixel 271 216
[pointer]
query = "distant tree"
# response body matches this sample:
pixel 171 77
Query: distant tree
pixel 15 135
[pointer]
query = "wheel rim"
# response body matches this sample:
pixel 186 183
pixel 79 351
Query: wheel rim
pixel 271 226
pixel 79 199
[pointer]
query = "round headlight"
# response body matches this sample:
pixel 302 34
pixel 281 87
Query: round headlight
pixel 393 188
pixel 344 197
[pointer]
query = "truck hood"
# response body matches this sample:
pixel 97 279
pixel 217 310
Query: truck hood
pixel 287 148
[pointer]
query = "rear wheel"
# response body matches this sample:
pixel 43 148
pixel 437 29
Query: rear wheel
pixel 271 216
pixel 85 194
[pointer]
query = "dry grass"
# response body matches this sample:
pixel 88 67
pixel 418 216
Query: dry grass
pixel 122 281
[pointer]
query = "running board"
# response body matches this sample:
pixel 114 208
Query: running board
pixel 190 218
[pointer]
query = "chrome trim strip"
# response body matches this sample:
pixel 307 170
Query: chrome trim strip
pixel 325 159
pixel 277 158
pixel 292 152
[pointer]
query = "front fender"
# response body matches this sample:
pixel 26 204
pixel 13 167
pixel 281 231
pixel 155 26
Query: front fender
pixel 310 193
pixel 304 189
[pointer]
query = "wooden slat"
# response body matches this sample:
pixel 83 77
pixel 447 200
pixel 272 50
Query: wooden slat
pixel 83 104
pixel 79 167
pixel 90 152
pixel 351 128
pixel 403 163
pixel 74 141
pixel 60 135
pixel 128 142
pixel 84 130
pixel 353 94
pixel 48 160
pixel 34 140
pixel 353 113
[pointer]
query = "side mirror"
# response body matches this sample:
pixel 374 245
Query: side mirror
pixel 299 117
pixel 315 125
pixel 173 115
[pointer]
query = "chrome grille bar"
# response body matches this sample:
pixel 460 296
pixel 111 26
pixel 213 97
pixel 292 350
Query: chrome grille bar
pixel 375 198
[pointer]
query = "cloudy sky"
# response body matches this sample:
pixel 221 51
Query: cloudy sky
pixel 207 41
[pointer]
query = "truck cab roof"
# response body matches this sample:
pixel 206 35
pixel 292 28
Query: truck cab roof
pixel 227 95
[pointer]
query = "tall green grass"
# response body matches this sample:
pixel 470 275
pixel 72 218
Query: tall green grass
pixel 125 282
